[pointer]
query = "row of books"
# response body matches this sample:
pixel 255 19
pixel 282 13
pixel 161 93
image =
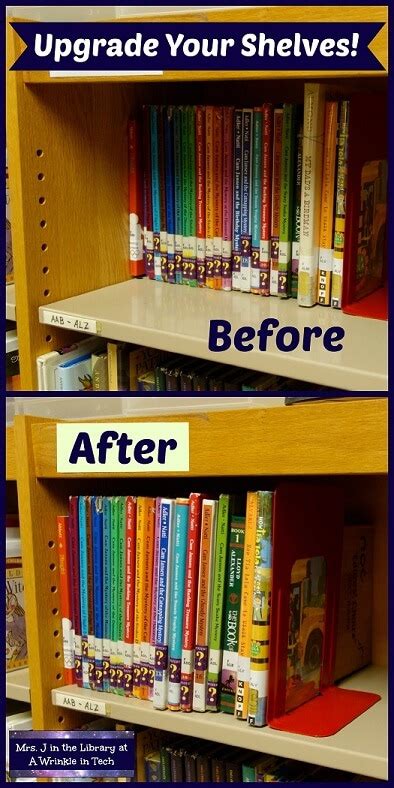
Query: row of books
pixel 15 635
pixel 256 199
pixel 169 600
pixel 96 365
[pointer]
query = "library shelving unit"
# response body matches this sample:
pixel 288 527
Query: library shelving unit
pixel 345 439
pixel 68 164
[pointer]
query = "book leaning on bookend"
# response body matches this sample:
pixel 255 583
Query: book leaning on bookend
pixel 48 363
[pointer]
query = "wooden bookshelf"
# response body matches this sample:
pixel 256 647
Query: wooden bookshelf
pixel 10 469
pixel 67 150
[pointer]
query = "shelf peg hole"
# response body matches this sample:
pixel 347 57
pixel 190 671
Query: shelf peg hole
pixel 51 543
pixel 59 676
pixel 48 338
pixel 40 176
pixel 56 633
pixel 39 152
pixel 41 200
pixel 55 611
pixel 60 719
pixel 57 654
pixel 45 270
pixel 43 223
pixel 44 247
pixel 53 589
pixel 52 567
pixel 47 293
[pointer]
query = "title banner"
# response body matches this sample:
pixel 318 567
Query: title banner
pixel 178 46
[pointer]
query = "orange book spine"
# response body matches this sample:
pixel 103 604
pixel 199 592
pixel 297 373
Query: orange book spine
pixel 142 510
pixel 326 244
pixel 245 626
pixel 65 600
pixel 147 581
pixel 136 248
pixel 209 191
pixel 208 521
pixel 217 196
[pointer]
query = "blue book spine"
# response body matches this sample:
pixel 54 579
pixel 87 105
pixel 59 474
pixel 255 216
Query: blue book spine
pixel 97 534
pixel 236 245
pixel 177 593
pixel 163 594
pixel 256 199
pixel 170 197
pixel 83 581
pixel 178 194
pixel 106 591
pixel 155 176
pixel 246 194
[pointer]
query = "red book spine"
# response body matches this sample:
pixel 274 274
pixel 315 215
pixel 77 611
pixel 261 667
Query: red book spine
pixel 266 177
pixel 136 256
pixel 65 600
pixel 74 562
pixel 200 194
pixel 131 525
pixel 147 195
pixel 228 156
pixel 190 610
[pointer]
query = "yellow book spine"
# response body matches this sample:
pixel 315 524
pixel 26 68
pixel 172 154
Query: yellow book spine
pixel 147 597
pixel 327 203
pixel 142 510
pixel 112 353
pixel 245 627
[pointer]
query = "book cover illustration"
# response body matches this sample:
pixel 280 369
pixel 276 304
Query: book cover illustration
pixel 16 643
pixel 371 227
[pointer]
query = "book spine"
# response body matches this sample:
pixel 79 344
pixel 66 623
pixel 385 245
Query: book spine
pixel 155 586
pixel 327 203
pixel 246 200
pixel 107 515
pixel 266 187
pixel 161 116
pixel 209 192
pixel 275 200
pixel 245 628
pixel 147 192
pixel 256 199
pixel 178 194
pixel 232 615
pixel 228 153
pixel 165 765
pixel 177 591
pixel 97 536
pixel 295 252
pixel 190 602
pixel 312 161
pixel 170 199
pixel 259 662
pixel 340 206
pixel 136 252
pixel 200 194
pixel 142 509
pixel 237 199
pixel 191 156
pixel 160 693
pixel 119 687
pixel 114 545
pixel 131 514
pixel 156 208
pixel 152 769
pixel 216 616
pixel 91 637
pixel 208 531
pixel 83 580
pixel 217 196
pixel 149 534
pixel 65 599
pixel 286 201
pixel 73 545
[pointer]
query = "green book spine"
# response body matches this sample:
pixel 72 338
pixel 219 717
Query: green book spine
pixel 248 773
pixel 191 140
pixel 121 599
pixel 114 592
pixel 286 200
pixel 232 605
pixel 165 763
pixel 216 616
pixel 185 196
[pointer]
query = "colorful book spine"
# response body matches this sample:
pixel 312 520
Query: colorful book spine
pixel 114 607
pixel 177 592
pixel 200 194
pixel 275 200
pixel 228 132
pixel 178 189
pixel 326 248
pixel 155 176
pixel 97 539
pixel 256 199
pixel 266 179
pixel 65 599
pixel 155 586
pixel 147 192
pixel 312 161
pixel 147 579
pixel 190 602
pixel 208 536
pixel 136 251
pixel 340 206
pixel 91 637
pixel 75 585
pixel 245 629
pixel 107 516
pixel 119 687
pixel 131 524
pixel 209 196
pixel 286 200
pixel 259 661
pixel 231 616
pixel 185 197
pixel 161 119
pixel 170 200
pixel 83 581
pixel 216 614
pixel 295 251
pixel 237 201
pixel 217 196
pixel 246 200
pixel 191 156
pixel 160 693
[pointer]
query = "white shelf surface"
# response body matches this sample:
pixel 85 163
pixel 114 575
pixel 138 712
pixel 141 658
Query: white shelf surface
pixel 176 318
pixel 18 685
pixel 10 311
pixel 360 747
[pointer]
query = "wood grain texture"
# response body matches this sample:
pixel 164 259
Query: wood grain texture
pixel 10 461
pixel 317 438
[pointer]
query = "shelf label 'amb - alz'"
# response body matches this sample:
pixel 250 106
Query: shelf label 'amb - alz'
pixel 80 704
pixel 119 447
pixel 66 321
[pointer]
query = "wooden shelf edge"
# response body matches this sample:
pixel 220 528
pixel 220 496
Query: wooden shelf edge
pixel 18 685
pixel 10 472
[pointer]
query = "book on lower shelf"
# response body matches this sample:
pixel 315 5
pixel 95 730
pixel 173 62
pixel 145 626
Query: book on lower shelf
pixel 16 641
